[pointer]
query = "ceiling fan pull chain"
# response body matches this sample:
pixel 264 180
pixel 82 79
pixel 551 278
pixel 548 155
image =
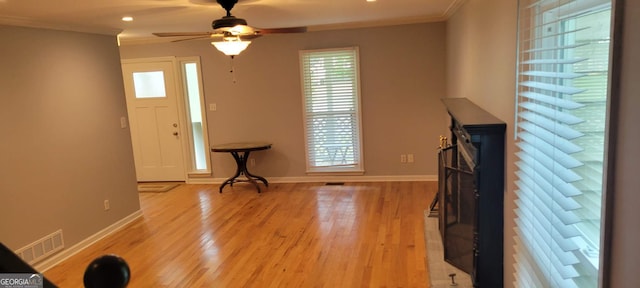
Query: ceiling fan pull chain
pixel 233 75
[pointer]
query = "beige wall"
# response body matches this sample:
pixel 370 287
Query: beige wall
pixel 481 66
pixel 481 40
pixel 402 78
pixel 625 255
pixel 62 151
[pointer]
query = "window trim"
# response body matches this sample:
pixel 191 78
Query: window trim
pixel 582 9
pixel 357 169
pixel 192 170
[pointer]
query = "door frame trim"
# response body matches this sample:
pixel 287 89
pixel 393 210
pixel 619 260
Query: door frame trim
pixel 204 109
pixel 180 104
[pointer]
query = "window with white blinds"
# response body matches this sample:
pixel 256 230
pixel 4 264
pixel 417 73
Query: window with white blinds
pixel 330 87
pixel 563 70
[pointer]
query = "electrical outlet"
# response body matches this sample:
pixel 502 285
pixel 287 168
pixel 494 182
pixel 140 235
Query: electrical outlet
pixel 403 158
pixel 410 158
pixel 106 205
pixel 213 107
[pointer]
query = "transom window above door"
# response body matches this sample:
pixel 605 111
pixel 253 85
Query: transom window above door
pixel 149 84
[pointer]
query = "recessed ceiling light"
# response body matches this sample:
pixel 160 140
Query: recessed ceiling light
pixel 127 18
pixel 371 0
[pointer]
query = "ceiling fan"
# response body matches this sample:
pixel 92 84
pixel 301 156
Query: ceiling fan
pixel 230 34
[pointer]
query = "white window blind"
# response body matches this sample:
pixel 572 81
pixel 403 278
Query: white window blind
pixel 563 63
pixel 330 87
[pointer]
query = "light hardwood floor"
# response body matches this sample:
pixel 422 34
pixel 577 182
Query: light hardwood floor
pixel 291 235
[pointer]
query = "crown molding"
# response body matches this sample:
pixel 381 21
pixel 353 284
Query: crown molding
pixel 453 8
pixel 144 40
pixel 379 23
pixel 27 22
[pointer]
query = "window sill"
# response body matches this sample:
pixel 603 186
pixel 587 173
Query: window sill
pixel 587 255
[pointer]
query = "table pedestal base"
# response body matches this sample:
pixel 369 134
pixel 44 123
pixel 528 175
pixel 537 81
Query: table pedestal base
pixel 241 161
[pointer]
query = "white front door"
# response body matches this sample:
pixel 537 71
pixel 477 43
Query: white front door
pixel 150 90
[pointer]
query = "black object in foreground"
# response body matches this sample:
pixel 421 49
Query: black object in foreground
pixel 108 271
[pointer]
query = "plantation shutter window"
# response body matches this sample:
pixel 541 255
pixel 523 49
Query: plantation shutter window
pixel 563 71
pixel 331 101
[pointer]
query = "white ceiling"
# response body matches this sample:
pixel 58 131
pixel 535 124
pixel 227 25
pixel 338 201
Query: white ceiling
pixel 104 16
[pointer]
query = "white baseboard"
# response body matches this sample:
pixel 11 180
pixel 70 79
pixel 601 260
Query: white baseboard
pixel 326 178
pixel 332 178
pixel 68 252
pixel 202 180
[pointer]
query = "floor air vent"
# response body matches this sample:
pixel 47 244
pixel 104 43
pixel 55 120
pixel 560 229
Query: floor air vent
pixel 42 248
pixel 334 183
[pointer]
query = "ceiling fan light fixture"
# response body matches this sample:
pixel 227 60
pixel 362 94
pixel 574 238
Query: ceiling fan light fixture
pixel 241 30
pixel 231 46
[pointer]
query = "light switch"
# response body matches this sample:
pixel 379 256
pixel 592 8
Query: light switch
pixel 123 122
pixel 213 107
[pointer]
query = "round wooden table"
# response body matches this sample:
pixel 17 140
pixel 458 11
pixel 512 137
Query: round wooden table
pixel 240 152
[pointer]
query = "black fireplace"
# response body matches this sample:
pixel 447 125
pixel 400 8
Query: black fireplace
pixel 459 204
pixel 471 193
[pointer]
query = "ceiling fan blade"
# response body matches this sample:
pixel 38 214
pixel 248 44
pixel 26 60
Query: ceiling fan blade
pixel 195 38
pixel 281 30
pixel 178 34
pixel 249 37
pixel 216 37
